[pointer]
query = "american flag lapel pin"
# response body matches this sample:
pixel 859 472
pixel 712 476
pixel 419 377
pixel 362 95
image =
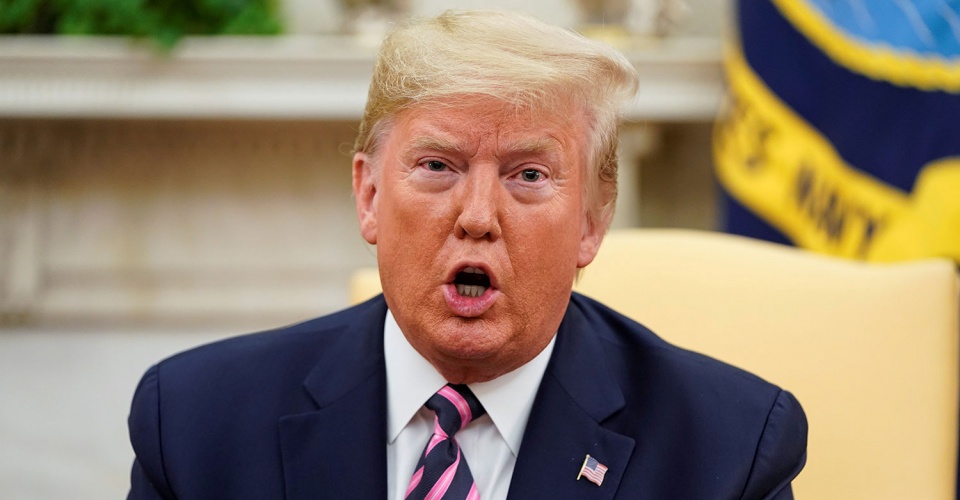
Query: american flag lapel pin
pixel 592 470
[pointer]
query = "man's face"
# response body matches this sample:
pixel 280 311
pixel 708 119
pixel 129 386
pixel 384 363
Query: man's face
pixel 477 211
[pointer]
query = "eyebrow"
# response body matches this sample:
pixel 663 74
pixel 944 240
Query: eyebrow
pixel 434 143
pixel 535 146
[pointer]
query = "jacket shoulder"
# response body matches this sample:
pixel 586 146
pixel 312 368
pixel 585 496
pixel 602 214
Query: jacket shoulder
pixel 714 421
pixel 221 402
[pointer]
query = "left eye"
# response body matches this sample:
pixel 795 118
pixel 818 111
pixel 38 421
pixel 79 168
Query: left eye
pixel 531 175
pixel 436 166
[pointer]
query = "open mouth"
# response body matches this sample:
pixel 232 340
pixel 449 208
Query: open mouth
pixel 471 282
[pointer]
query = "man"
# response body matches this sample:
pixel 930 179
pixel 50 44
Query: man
pixel 485 174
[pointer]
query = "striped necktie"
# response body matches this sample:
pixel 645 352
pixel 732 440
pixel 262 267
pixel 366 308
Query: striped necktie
pixel 442 472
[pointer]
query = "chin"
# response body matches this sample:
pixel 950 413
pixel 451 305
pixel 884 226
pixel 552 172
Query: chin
pixel 470 339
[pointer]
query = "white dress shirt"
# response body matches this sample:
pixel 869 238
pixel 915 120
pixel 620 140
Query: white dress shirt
pixel 489 444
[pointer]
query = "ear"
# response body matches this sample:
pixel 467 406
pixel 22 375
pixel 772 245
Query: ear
pixel 365 195
pixel 591 235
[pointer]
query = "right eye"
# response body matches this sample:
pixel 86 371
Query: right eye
pixel 435 165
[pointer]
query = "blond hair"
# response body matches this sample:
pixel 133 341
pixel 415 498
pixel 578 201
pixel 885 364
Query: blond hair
pixel 513 58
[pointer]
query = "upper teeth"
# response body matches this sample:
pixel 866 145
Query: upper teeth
pixel 473 270
pixel 470 290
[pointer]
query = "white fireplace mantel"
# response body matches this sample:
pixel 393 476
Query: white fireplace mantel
pixel 288 77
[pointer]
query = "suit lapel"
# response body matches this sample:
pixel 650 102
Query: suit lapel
pixel 339 450
pixel 576 395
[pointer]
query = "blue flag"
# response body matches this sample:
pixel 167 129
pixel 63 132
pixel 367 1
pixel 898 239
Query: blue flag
pixel 843 131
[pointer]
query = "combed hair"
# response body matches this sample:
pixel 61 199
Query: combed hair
pixel 513 58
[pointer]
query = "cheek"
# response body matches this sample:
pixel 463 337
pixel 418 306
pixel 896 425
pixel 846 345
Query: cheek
pixel 545 255
pixel 550 229
pixel 410 212
pixel 412 233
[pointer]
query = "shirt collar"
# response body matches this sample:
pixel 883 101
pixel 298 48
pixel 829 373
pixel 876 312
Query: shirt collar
pixel 411 380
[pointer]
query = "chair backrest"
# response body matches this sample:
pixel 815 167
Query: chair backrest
pixel 870 351
pixel 364 284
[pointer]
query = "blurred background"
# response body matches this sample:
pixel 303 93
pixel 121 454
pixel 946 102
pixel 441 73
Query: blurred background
pixel 172 176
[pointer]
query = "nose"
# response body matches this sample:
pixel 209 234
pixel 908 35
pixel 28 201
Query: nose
pixel 479 200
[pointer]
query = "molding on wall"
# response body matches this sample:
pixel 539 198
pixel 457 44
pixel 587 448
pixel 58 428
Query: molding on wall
pixel 175 221
pixel 288 77
pixel 19 234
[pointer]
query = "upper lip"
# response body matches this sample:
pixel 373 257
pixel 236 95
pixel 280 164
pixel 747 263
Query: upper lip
pixel 460 266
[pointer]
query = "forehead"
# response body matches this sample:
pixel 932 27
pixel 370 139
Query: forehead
pixel 476 123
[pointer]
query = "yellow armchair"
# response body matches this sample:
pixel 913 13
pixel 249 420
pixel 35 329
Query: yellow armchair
pixel 364 284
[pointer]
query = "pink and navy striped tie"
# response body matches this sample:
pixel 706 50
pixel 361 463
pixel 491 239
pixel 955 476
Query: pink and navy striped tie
pixel 442 472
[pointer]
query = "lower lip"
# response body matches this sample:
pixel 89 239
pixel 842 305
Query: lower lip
pixel 469 307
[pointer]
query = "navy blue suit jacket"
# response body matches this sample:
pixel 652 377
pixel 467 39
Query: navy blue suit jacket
pixel 301 413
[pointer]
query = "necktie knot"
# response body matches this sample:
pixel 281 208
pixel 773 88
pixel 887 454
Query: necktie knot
pixel 455 406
